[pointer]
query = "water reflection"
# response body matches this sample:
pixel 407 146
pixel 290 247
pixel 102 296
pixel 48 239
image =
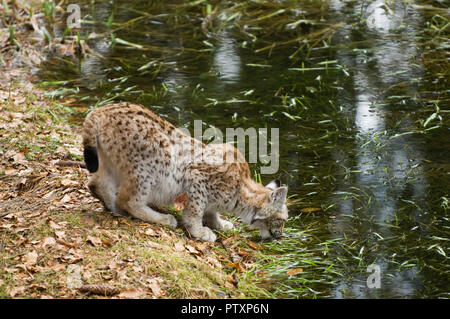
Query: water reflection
pixel 381 174
pixel 227 62
pixel 379 18
pixel 92 68
pixel 367 118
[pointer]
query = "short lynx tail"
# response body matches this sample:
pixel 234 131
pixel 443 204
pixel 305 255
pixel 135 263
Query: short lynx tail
pixel 91 159
pixel 90 145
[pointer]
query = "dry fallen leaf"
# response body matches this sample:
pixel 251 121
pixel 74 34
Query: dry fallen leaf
pixel 254 246
pixel 107 242
pixel 56 266
pixel 179 246
pixel 30 259
pixel 181 201
pixel 10 171
pixel 242 253
pixel 88 220
pixel 153 244
pixel 18 157
pixel 14 291
pixel 295 271
pixel 65 199
pixel 113 265
pixel 153 284
pixel 138 269
pixel 48 241
pixel 150 232
pixel 54 225
pixel 192 250
pixel 75 151
pixel 73 256
pixel 68 182
pixel 237 266
pixel 213 262
pixel 94 240
pixel 40 287
pixel 261 273
pixel 15 115
pixel 132 294
pixel 60 234
pixel 203 247
pixel 124 221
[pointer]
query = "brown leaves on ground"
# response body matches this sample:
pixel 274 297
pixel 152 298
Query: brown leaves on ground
pixel 28 46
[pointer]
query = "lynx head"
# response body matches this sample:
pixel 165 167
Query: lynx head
pixel 271 217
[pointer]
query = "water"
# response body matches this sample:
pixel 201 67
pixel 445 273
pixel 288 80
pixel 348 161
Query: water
pixel 354 108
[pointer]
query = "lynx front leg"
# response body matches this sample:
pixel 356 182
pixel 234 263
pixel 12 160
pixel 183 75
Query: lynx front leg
pixel 193 221
pixel 195 182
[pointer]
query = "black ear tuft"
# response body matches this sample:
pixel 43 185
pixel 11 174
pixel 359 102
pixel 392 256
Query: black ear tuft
pixel 278 181
pixel 91 159
pixel 274 184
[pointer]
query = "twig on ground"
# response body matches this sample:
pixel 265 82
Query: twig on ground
pixel 71 164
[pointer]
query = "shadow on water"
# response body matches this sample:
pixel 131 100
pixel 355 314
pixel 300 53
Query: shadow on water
pixel 360 93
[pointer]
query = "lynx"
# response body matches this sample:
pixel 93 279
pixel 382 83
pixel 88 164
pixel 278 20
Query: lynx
pixel 140 162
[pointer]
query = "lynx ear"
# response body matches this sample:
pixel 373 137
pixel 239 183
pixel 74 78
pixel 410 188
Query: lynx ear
pixel 274 184
pixel 278 196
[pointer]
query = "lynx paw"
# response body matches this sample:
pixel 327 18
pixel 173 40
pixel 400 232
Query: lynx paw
pixel 208 235
pixel 225 225
pixel 169 221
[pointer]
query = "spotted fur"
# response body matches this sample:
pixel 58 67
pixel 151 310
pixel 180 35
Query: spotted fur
pixel 140 160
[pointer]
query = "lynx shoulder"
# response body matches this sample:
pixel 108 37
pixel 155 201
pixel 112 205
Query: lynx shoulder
pixel 138 160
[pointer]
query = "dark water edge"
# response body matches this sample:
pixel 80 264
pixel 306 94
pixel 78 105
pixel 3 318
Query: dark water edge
pixel 360 93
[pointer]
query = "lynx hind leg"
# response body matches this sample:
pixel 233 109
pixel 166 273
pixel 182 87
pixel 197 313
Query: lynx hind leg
pixel 131 200
pixel 103 187
pixel 215 221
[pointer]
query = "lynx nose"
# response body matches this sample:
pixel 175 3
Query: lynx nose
pixel 276 234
